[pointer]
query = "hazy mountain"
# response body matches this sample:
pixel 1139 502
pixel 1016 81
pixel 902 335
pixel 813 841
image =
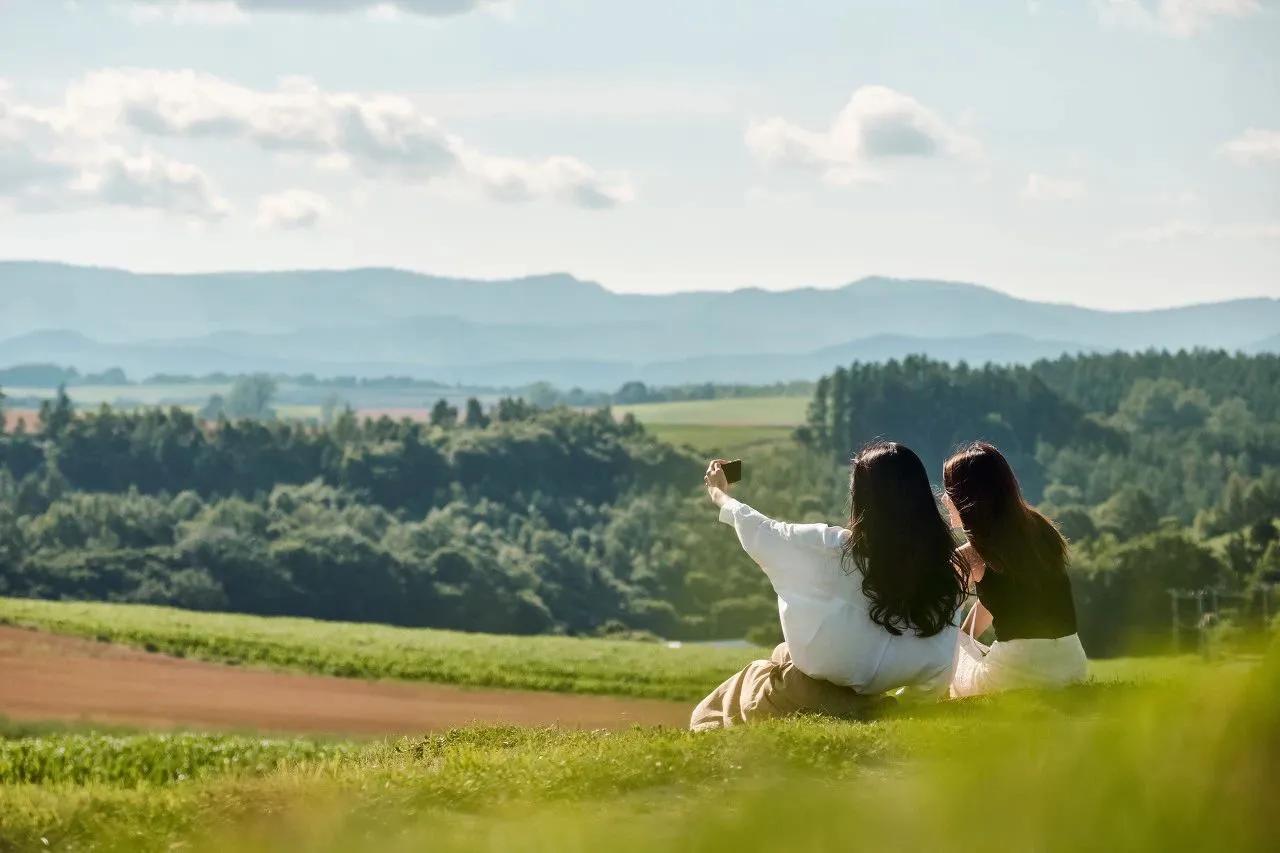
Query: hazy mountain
pixel 555 327
pixel 746 368
pixel 1270 344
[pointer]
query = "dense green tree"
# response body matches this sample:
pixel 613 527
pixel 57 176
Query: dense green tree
pixel 250 398
pixel 563 521
pixel 56 415
pixel 1129 512
pixel 443 415
pixel 1164 404
pixel 475 417
pixel 1122 589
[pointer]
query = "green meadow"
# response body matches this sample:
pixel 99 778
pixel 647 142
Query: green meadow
pixel 737 442
pixel 1185 761
pixel 727 411
pixel 735 427
pixel 361 650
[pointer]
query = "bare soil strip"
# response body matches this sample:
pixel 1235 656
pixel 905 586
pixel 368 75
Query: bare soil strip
pixel 53 677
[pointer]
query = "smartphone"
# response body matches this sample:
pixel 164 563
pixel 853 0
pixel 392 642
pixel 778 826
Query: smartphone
pixel 732 470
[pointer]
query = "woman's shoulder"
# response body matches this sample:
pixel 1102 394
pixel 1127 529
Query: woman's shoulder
pixel 809 536
pixel 827 537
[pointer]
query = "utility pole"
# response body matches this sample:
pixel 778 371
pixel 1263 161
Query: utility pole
pixel 1204 634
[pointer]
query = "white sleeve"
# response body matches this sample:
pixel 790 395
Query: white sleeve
pixel 790 554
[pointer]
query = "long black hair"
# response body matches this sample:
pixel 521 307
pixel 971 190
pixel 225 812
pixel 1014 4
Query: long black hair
pixel 900 543
pixel 1012 536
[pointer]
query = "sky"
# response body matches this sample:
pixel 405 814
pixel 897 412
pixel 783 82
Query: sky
pixel 1109 153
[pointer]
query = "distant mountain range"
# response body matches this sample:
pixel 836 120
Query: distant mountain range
pixel 372 322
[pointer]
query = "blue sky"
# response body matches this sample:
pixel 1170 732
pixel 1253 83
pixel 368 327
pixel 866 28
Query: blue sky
pixel 1112 153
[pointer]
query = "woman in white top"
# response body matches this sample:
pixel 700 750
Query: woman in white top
pixel 865 609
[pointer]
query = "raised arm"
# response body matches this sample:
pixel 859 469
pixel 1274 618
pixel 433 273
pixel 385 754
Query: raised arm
pixel 790 554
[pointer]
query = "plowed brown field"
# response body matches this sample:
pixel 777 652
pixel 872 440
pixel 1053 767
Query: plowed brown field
pixel 52 677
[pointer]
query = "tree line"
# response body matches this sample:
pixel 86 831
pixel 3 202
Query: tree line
pixel 1163 470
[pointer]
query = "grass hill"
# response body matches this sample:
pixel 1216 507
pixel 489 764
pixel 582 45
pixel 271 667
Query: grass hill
pixel 1184 761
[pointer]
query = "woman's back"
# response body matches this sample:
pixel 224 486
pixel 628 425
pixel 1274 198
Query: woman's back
pixel 1028 606
pixel 825 614
pixel 1018 560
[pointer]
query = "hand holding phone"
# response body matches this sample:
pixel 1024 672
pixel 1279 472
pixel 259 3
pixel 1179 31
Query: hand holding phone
pixel 722 473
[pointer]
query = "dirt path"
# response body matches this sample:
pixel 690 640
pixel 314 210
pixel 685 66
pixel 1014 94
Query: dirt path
pixel 53 677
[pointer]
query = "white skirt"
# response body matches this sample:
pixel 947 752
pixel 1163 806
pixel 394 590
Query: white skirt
pixel 1016 664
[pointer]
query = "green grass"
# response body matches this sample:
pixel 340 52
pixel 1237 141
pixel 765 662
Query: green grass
pixel 152 759
pixel 733 427
pixel 732 411
pixel 728 441
pixel 1186 764
pixel 560 664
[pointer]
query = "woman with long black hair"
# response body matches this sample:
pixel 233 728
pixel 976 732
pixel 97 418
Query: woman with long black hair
pixel 865 610
pixel 1017 560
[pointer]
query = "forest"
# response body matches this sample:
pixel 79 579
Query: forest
pixel 1163 469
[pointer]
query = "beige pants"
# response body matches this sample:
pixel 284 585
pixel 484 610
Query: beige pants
pixel 775 688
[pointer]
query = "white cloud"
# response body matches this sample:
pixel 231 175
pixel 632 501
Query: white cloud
pixel 381 135
pixel 877 127
pixel 1182 231
pixel 151 181
pixel 1185 18
pixel 292 209
pixel 1044 188
pixel 27 169
pixel 564 178
pixel 1253 146
pixel 236 11
pixel 28 179
pixel 203 12
pixel 45 164
pixel 1177 18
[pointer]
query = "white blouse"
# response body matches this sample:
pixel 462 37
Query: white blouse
pixel 825 615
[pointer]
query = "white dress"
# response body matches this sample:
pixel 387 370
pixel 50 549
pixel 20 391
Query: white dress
pixel 825 615
pixel 1015 664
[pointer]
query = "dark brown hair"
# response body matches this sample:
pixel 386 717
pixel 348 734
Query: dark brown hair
pixel 1012 536
pixel 900 544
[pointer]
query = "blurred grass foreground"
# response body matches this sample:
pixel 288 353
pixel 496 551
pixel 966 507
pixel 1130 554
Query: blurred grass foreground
pixel 1187 762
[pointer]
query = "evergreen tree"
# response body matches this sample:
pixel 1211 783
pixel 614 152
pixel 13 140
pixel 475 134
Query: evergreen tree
pixel 444 415
pixel 476 418
pixel 56 415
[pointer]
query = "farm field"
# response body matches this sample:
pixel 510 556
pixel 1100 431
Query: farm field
pixel 47 676
pixel 194 394
pixel 733 427
pixel 729 411
pixel 353 650
pixel 1190 756
pixel 559 664
pixel 727 441
pixel 292 400
pixel 10 419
